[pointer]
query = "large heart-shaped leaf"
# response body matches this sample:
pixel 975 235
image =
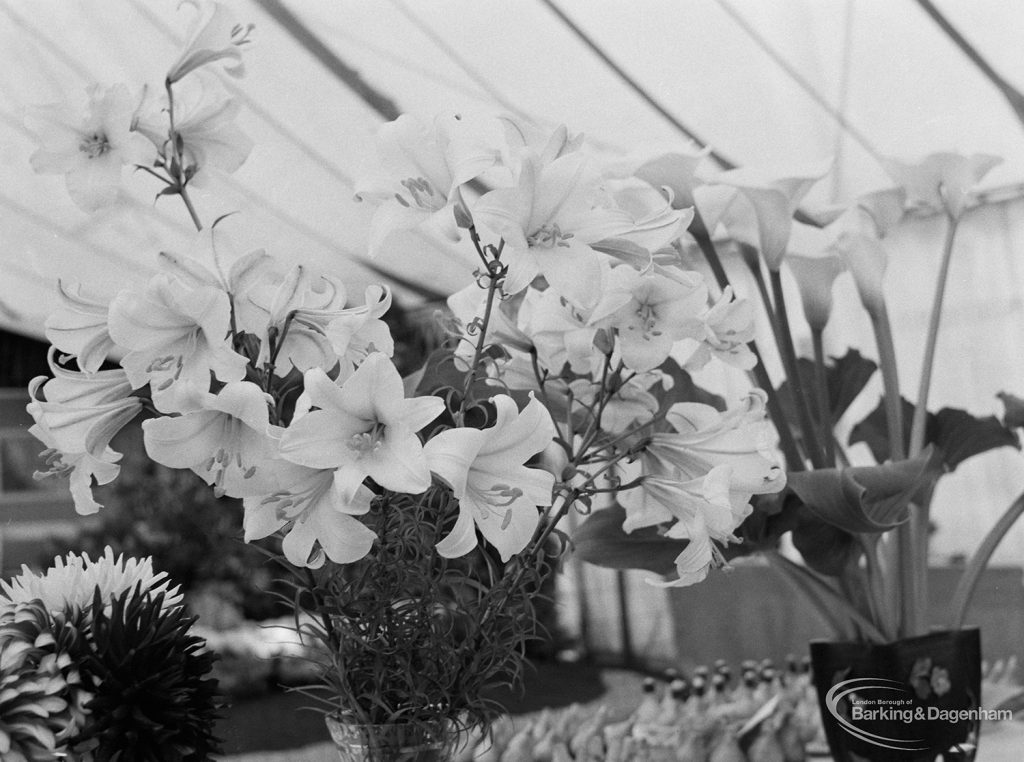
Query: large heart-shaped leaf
pixel 601 541
pixel 1014 407
pixel 825 548
pixel 961 435
pixel 957 434
pixel 845 378
pixel 866 498
pixel 685 390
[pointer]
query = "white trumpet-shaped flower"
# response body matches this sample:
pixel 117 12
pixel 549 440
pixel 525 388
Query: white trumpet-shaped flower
pixel 364 428
pixel 214 35
pixel 174 335
pixel 701 510
pixel 90 149
pixel 76 415
pixel 225 438
pixel 79 328
pixel 661 310
pixel 422 170
pixel 318 520
pixel 484 468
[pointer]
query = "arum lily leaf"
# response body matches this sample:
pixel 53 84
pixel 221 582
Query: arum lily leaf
pixel 601 541
pixel 846 378
pixel 1014 406
pixel 872 430
pixel 868 498
pixel 685 390
pixel 957 434
pixel 825 548
pixel 960 435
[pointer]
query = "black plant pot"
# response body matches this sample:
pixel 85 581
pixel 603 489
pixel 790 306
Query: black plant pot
pixel 913 700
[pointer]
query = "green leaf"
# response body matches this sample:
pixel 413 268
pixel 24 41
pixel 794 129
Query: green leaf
pixel 1014 407
pixel 601 541
pixel 868 499
pixel 685 390
pixel 873 430
pixel 846 378
pixel 825 548
pixel 957 434
pixel 960 435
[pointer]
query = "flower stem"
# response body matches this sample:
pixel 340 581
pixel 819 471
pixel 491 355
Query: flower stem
pixel 191 209
pixel 972 574
pixel 917 429
pixel 821 390
pixel 899 551
pixel 789 360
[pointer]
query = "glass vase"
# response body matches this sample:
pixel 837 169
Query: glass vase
pixel 396 742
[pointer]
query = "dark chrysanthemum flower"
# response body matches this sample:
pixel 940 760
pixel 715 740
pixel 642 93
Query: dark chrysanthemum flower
pixel 153 701
pixel 41 699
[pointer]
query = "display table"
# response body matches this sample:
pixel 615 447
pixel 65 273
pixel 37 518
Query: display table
pixel 1000 742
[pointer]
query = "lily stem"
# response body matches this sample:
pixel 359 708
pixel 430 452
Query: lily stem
pixel 796 386
pixel 899 550
pixel 972 574
pixel 821 390
pixel 191 209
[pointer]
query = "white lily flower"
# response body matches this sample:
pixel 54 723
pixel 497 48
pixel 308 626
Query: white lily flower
pixel 704 438
pixel 774 197
pixel 294 312
pixel 814 277
pixel 528 139
pixel 422 169
pixel 174 335
pixel 79 327
pixel 76 415
pixel 728 327
pixel 650 219
pixel 225 438
pixel 357 332
pixel 942 180
pixel 548 222
pixel 702 510
pixel 204 122
pixel 319 521
pixel 81 468
pixel 213 35
pixel 484 468
pixel 675 174
pixel 89 150
pixel 661 311
pixel 560 332
pixel 364 428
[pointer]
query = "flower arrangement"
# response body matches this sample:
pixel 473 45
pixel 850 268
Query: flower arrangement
pixel 97 661
pixel 417 514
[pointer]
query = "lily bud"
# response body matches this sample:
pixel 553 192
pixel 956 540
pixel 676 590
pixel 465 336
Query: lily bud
pixel 814 277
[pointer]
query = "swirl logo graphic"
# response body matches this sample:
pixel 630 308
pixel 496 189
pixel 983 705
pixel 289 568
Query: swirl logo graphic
pixel 890 702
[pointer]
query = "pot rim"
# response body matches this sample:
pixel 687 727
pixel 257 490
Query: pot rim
pixel 913 638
